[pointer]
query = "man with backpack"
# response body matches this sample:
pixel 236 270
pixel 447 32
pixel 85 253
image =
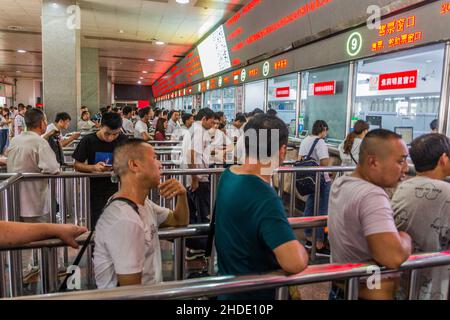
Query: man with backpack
pixel 127 249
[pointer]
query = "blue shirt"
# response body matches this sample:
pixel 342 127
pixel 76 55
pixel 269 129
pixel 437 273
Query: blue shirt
pixel 250 223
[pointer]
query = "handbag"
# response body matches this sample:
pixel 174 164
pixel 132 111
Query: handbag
pixel 305 182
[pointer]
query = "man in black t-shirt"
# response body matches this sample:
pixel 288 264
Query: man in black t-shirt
pixel 94 153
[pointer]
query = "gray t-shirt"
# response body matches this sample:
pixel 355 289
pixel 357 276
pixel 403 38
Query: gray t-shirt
pixel 422 209
pixel 357 209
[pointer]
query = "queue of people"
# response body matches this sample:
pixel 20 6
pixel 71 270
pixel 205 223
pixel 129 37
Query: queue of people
pixel 252 232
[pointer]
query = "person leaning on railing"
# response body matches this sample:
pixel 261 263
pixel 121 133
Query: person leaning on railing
pixel 18 233
pixel 361 224
pixel 127 249
pixel 421 206
pixel 253 235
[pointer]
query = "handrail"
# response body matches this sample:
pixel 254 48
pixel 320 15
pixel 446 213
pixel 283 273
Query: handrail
pixel 169 233
pixel 214 286
pixel 10 181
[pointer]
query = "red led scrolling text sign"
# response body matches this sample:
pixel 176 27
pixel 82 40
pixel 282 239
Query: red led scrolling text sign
pixel 392 29
pixel 282 92
pixel 445 8
pixel 325 88
pixel 398 80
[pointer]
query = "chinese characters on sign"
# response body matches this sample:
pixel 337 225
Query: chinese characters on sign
pixel 445 8
pixel 323 88
pixel 283 92
pixel 395 30
pixel 398 80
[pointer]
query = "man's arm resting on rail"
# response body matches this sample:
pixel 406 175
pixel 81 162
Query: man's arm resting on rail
pixel 291 256
pixel 90 168
pixel 17 233
pixel 180 216
pixel 390 249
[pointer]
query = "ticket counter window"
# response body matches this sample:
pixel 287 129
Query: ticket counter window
pixel 324 97
pixel 188 103
pixel 283 99
pixel 213 100
pixel 254 96
pixel 229 103
pixel 401 91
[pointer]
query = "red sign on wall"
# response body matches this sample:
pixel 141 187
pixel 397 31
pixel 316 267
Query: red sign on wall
pixel 324 88
pixel 398 80
pixel 283 92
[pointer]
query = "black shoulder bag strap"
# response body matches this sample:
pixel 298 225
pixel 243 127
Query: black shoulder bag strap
pixel 77 260
pixel 312 149
pixel 211 234
pixel 353 158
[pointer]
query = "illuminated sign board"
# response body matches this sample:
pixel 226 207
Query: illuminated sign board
pixel 283 92
pixel 323 88
pixel 213 53
pixel 398 80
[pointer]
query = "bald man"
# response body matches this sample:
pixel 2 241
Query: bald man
pixel 127 250
pixel 361 223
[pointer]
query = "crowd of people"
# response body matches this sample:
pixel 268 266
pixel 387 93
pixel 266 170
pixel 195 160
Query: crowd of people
pixel 252 232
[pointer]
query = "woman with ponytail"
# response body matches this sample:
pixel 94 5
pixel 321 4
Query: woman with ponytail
pixel 349 149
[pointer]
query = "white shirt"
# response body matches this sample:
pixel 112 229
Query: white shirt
pixel 140 128
pixel 28 153
pixel 19 121
pixel 235 132
pixel 51 127
pixel 347 160
pixel 85 125
pixel 320 151
pixel 200 141
pixel 127 126
pixel 127 243
pixel 172 126
pixel 221 144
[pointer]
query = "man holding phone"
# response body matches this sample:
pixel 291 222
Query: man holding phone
pixel 93 154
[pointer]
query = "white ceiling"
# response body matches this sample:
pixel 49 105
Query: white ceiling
pixel 124 54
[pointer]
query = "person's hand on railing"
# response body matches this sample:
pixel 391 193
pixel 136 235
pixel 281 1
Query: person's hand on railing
pixel 171 188
pixel 68 233
pixel 101 167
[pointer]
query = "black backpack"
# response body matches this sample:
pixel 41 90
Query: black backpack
pixel 305 182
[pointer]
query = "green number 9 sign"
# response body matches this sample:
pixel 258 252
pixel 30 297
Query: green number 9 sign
pixel 354 44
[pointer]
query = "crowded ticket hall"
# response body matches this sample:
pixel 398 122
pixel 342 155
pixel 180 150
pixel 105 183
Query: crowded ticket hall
pixel 224 150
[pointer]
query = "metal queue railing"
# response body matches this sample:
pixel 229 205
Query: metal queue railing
pixel 12 284
pixel 351 273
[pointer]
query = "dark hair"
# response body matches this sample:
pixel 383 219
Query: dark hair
pixel 267 123
pixel 115 109
pixel 255 112
pixel 185 117
pixel 160 126
pixel 434 124
pixel 318 127
pixel 367 147
pixel 171 113
pixel 204 113
pixel 21 106
pixel 426 151
pixel 359 127
pixel 143 112
pixel 157 112
pixel 111 120
pixel 216 116
pixel 271 112
pixel 103 111
pixel 83 113
pixel 126 110
pixel 220 114
pixel 240 117
pixel 62 116
pixel 165 113
pixel 33 118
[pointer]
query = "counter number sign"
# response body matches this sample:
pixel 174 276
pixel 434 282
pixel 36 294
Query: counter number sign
pixel 266 68
pixel 354 44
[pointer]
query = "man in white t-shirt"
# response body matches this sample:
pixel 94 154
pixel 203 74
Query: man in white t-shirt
pixel 422 209
pixel 127 249
pixel 127 124
pixel 141 127
pixel 321 156
pixel 173 124
pixel 237 128
pixel 361 224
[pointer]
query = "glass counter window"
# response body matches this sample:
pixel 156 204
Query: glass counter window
pixel 213 100
pixel 283 99
pixel 324 97
pixel 254 96
pixel 188 103
pixel 229 103
pixel 401 91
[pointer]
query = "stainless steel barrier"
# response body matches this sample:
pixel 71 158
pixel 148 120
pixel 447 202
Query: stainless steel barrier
pixel 215 286
pixel 179 235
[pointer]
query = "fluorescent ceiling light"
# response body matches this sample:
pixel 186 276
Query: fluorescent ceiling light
pixel 151 60
pixel 144 71
pixel 182 1
pixel 139 82
pixel 159 43
pixel 21 51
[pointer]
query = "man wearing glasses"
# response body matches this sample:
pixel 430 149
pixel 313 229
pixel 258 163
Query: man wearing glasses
pixel 94 154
